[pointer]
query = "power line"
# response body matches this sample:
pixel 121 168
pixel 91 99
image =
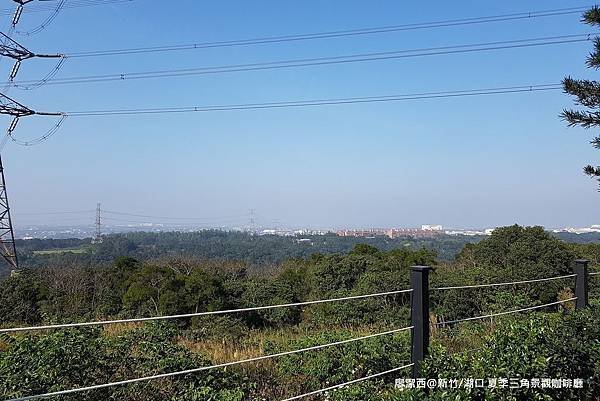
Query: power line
pixel 32 142
pixel 47 21
pixel 210 313
pixel 462 287
pixel 321 102
pixel 70 4
pixel 205 368
pixel 172 218
pixel 288 104
pixel 224 223
pixel 333 34
pixel 15 109
pixel 332 60
pixel 56 213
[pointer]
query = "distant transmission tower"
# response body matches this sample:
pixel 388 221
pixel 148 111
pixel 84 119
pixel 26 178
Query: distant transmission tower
pixel 98 237
pixel 252 220
pixel 7 235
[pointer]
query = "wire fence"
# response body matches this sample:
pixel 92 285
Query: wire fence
pixel 205 368
pixel 505 313
pixel 292 352
pixel 541 280
pixel 339 386
pixel 189 315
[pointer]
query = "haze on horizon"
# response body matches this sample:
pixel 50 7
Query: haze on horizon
pixel 469 162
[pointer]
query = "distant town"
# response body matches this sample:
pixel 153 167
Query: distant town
pixel 425 231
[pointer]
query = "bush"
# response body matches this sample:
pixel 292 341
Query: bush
pixel 544 346
pixel 71 359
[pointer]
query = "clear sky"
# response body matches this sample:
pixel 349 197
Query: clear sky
pixel 461 162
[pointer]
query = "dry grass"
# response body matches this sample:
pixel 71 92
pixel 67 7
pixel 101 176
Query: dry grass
pixel 564 294
pixel 117 329
pixel 222 351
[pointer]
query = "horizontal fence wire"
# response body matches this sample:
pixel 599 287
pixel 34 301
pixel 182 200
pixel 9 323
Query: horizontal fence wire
pixel 205 368
pixel 188 315
pixel 505 313
pixel 338 386
pixel 540 280
pixel 594 274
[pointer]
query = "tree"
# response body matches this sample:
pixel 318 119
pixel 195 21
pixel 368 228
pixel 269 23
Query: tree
pixel 587 93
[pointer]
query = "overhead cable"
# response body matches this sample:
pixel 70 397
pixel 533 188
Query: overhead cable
pixel 332 34
pixel 320 61
pixel 300 103
pixel 47 21
pixel 320 102
pixel 173 218
pixel 40 7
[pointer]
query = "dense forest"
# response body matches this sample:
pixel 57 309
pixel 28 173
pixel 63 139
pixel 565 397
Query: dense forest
pixel 256 250
pixel 180 274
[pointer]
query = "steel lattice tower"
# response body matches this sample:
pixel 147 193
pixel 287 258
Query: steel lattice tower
pixel 7 235
pixel 98 237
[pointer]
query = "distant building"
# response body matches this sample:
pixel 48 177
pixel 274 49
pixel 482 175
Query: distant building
pixel 390 233
pixel 429 227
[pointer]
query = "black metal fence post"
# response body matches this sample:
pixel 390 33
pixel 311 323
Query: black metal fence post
pixel 419 279
pixel 581 283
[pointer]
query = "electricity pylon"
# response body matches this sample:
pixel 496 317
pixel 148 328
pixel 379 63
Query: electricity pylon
pixel 98 237
pixel 15 109
pixel 8 249
pixel 10 48
pixel 7 235
pixel 19 11
pixel 8 106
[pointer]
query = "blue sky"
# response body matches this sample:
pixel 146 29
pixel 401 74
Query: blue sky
pixel 462 162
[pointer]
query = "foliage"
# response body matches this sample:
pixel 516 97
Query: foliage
pixel 69 359
pixel 259 252
pixel 180 284
pixel 543 346
pixel 587 93
pixel 317 369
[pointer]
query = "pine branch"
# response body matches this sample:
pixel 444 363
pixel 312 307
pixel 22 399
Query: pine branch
pixel 586 91
pixel 585 119
pixel 592 16
pixel 593 60
pixel 592 171
pixel 596 142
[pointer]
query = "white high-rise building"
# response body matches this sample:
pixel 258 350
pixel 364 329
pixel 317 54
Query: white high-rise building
pixel 430 227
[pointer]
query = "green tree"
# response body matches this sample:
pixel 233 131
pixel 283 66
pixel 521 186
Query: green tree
pixel 587 93
pixel 19 298
pixel 154 290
